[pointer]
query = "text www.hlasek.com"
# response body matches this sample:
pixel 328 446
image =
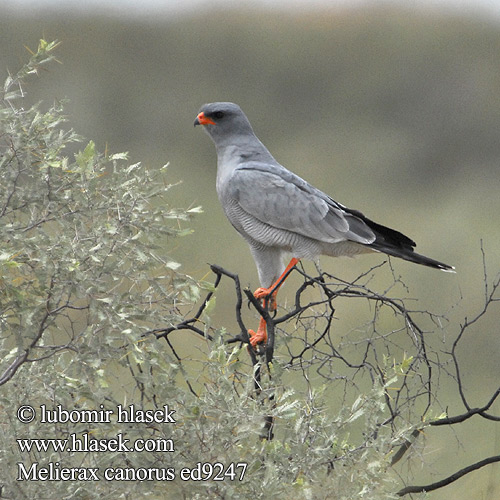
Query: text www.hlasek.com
pixel 89 444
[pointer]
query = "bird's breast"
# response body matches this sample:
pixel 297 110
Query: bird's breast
pixel 260 233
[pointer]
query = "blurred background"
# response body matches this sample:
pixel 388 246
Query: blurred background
pixel 392 108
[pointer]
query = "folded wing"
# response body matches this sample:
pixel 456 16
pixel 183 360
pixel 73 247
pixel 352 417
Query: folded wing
pixel 281 199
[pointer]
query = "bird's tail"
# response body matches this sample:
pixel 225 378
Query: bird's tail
pixel 397 244
pixel 408 254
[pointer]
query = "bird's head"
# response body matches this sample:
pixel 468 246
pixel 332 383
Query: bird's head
pixel 223 121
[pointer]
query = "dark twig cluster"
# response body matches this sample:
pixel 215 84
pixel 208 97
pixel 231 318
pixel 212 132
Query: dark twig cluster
pixel 305 331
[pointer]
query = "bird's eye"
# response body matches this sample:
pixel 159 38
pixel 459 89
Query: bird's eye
pixel 218 115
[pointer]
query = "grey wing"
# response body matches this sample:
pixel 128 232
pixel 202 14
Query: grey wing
pixel 277 197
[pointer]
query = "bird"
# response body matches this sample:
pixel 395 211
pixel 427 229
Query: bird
pixel 279 213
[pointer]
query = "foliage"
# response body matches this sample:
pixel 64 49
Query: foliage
pixel 82 240
pixel 82 265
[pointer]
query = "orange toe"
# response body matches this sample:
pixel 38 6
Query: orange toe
pixel 257 337
pixel 260 335
pixel 262 293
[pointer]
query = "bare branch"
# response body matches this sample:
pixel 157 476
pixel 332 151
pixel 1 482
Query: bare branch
pixel 450 479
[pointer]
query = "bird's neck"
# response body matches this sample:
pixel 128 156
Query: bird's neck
pixel 233 154
pixel 241 149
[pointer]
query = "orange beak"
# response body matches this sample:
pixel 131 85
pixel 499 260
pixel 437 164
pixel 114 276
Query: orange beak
pixel 201 119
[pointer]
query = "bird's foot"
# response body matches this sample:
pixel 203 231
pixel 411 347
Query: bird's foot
pixel 260 335
pixel 257 337
pixel 263 294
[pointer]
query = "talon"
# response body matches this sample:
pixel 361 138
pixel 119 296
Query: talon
pixel 263 293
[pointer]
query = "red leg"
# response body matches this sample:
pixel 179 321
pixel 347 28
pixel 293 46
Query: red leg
pixel 261 293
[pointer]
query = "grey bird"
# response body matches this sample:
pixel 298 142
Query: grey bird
pixel 279 213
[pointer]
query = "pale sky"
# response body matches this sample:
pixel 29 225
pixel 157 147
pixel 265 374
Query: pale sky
pixel 152 7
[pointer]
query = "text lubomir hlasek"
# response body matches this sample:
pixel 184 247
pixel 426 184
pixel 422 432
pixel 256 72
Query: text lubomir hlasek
pixel 124 414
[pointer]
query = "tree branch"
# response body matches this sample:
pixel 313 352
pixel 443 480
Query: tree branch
pixel 449 479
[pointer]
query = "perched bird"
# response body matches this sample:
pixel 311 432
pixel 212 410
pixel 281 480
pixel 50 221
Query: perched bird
pixel 277 212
